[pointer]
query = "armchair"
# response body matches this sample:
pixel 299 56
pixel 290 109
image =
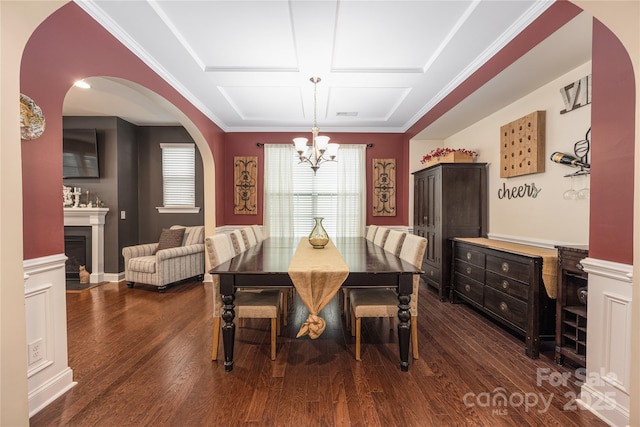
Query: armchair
pixel 143 264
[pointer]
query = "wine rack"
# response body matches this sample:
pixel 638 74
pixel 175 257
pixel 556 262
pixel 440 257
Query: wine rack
pixel 571 310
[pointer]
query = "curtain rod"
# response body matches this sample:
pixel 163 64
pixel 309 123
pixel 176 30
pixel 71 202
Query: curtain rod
pixel 261 144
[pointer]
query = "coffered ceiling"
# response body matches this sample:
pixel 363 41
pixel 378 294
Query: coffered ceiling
pixel 383 64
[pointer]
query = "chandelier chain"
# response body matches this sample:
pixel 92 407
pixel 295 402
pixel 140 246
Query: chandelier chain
pixel 321 150
pixel 315 100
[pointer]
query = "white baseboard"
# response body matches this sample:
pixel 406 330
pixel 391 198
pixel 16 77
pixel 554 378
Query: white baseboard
pixel 42 395
pixel 113 277
pixel 605 408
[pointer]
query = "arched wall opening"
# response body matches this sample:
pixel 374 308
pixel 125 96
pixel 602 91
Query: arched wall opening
pixel 71 46
pixel 118 97
pixel 15 32
pixel 131 122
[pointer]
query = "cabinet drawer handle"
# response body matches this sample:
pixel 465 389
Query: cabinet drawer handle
pixel 579 266
pixel 468 270
pixel 505 267
pixel 467 288
pixel 505 284
pixel 504 307
pixel 468 255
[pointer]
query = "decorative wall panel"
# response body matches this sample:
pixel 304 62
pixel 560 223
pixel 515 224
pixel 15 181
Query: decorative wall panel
pixel 384 187
pixel 245 178
pixel 522 145
pixel 607 387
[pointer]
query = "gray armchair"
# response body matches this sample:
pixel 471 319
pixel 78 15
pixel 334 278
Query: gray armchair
pixel 143 264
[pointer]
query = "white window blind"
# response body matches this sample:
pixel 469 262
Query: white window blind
pixel 178 175
pixel 294 196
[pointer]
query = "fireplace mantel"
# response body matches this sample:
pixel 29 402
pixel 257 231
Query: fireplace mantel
pixel 94 218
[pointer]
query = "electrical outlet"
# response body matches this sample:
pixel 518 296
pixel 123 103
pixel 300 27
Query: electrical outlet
pixel 123 214
pixel 35 351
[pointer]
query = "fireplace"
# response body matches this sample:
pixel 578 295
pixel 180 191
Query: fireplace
pixel 77 248
pixel 91 219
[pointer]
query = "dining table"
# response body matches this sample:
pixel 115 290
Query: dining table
pixel 272 263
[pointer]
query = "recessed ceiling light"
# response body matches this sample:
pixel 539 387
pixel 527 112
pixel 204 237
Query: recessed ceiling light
pixel 82 84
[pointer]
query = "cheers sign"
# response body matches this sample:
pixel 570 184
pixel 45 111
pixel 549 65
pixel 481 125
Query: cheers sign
pixel 518 191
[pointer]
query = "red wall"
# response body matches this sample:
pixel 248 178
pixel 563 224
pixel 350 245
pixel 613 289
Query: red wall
pixel 612 149
pixel 385 145
pixel 67 46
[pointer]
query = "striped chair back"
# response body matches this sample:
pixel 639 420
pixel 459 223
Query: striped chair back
pixel 249 237
pixel 258 232
pixel 371 232
pixel 381 236
pixel 394 241
pixel 237 241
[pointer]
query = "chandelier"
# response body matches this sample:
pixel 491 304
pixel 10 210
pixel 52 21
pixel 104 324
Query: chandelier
pixel 320 150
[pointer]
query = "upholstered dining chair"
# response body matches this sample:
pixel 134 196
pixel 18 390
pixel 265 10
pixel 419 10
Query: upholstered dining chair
pixel 249 237
pixel 371 232
pixel 394 241
pixel 258 232
pixel 257 305
pixel 381 236
pixel 237 241
pixel 384 302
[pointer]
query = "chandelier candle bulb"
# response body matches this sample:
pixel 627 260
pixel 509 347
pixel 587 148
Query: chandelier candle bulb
pixel 301 145
pixel 332 150
pixel 322 142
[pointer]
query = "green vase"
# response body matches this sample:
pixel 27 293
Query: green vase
pixel 318 236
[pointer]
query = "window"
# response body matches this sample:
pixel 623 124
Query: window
pixel 294 196
pixel 178 178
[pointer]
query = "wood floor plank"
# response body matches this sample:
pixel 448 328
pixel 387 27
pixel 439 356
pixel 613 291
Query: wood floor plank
pixel 143 359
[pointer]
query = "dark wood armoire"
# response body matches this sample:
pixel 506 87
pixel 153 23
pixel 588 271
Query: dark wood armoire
pixel 450 200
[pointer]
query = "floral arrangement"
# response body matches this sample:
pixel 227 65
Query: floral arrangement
pixel 439 152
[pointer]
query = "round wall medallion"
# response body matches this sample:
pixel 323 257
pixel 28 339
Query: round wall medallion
pixel 32 121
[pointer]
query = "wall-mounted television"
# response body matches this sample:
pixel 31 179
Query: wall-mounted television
pixel 80 153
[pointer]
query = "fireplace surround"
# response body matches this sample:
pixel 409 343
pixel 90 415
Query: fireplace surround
pixel 94 218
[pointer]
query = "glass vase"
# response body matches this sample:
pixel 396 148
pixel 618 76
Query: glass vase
pixel 318 236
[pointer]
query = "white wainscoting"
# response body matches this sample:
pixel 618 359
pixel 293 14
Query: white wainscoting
pixel 48 372
pixel 607 381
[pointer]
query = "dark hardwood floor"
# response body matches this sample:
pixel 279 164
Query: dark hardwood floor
pixel 142 358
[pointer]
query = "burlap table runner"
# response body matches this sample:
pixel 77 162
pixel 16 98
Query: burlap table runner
pixel 317 275
pixel 549 258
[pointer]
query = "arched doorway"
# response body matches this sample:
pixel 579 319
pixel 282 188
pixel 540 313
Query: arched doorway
pixel 65 41
pixel 19 21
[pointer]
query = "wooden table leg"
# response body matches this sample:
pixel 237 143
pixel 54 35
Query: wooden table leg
pixel 227 290
pixel 404 315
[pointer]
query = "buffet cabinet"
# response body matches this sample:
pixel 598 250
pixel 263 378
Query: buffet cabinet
pixel 506 285
pixel 571 308
pixel 450 200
